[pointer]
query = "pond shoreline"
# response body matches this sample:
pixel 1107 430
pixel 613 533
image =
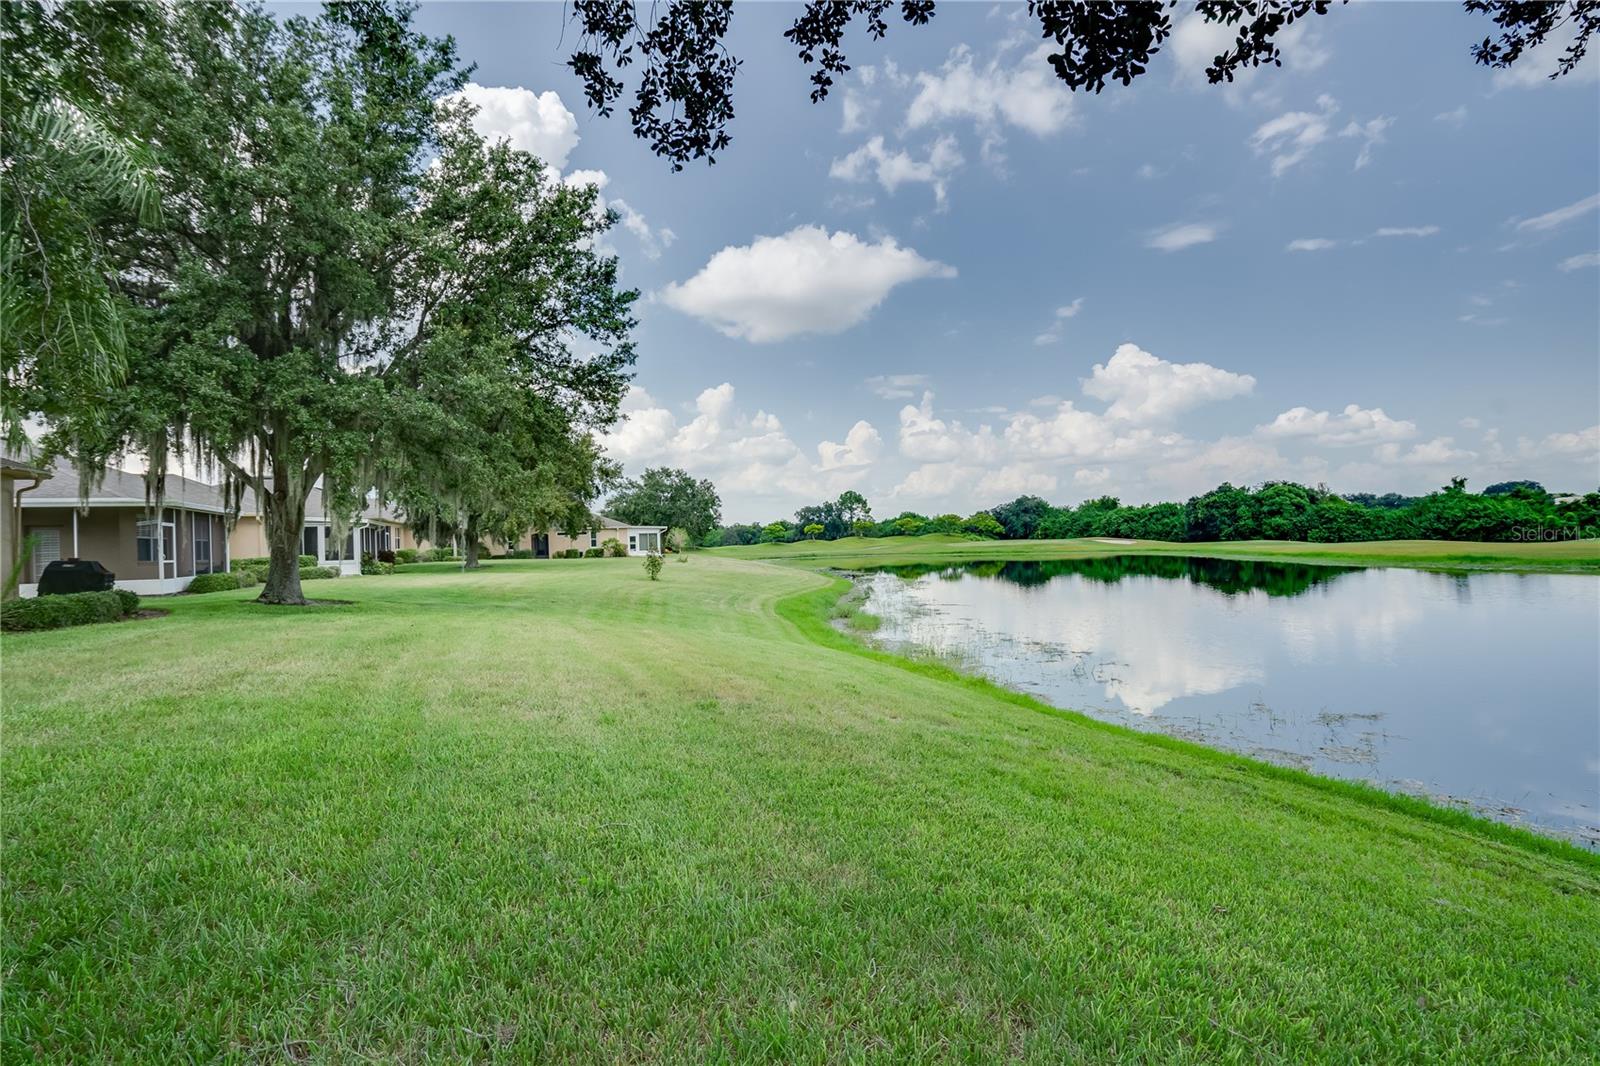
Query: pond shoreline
pixel 1345 743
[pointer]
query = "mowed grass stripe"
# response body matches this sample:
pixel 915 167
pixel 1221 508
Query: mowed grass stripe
pixel 555 810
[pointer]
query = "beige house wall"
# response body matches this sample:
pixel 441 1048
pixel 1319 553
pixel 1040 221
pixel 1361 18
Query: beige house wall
pixel 249 539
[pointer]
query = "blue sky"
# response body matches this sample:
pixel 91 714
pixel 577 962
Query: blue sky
pixel 954 281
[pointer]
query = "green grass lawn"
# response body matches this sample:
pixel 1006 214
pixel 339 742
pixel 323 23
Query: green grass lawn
pixel 1570 556
pixel 553 811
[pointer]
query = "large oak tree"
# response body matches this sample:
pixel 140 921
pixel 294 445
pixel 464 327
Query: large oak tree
pixel 288 303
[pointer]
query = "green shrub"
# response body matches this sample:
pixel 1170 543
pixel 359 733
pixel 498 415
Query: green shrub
pixel 251 562
pixel 249 578
pixel 58 612
pixel 439 555
pixel 405 555
pixel 129 598
pixel 593 553
pixel 307 560
pixel 613 548
pixel 377 569
pixel 312 573
pixel 218 582
pixel 676 539
pixel 520 553
pixel 569 553
pixel 652 566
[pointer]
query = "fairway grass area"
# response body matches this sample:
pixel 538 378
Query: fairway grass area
pixel 553 811
pixel 1577 556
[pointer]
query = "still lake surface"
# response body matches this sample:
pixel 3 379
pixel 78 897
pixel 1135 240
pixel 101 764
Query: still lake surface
pixel 1480 689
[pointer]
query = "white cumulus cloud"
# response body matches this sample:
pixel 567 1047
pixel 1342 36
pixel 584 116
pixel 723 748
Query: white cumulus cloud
pixel 1355 425
pixel 805 281
pixel 1141 387
pixel 538 123
pixel 1026 94
pixel 895 168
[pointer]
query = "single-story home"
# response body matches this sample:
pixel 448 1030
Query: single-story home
pixel 149 554
pixel 639 540
pixel 115 528
pixel 377 529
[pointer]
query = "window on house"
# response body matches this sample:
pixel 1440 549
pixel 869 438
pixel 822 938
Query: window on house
pixel 649 542
pixel 594 538
pixel 308 541
pixel 202 545
pixel 145 531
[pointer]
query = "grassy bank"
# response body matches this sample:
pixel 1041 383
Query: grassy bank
pixel 1573 556
pixel 553 809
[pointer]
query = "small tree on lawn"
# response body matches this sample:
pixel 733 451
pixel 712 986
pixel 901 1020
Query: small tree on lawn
pixel 652 566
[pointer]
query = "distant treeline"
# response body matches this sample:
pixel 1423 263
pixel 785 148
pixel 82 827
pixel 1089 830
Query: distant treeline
pixel 1277 510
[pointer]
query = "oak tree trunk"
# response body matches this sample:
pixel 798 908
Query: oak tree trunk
pixel 284 513
pixel 471 546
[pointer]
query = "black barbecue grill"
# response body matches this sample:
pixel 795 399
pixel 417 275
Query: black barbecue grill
pixel 74 575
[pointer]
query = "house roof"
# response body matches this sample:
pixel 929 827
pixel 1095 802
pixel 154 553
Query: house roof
pixel 15 467
pixel 607 522
pixel 121 488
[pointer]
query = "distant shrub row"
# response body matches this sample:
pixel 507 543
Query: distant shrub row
pixel 73 609
pixel 1275 510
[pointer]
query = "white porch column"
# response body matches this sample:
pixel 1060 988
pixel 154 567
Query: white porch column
pixel 75 554
pixel 161 546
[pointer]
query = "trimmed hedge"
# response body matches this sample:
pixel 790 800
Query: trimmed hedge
pixel 72 609
pixel 439 555
pixel 218 582
pixel 307 560
pixel 377 569
pixel 250 562
pixel 249 578
pixel 570 553
pixel 520 553
pixel 405 555
pixel 312 573
pixel 593 553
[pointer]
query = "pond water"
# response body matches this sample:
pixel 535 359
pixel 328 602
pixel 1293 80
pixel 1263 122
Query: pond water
pixel 1480 689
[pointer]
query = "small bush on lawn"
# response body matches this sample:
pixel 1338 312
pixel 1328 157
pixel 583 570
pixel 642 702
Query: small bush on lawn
pixel 377 569
pixel 520 553
pixel 405 555
pixel 249 578
pixel 307 560
pixel 613 548
pixel 58 612
pixel 218 582
pixel 312 573
pixel 129 598
pixel 593 553
pixel 439 555
pixel 652 566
